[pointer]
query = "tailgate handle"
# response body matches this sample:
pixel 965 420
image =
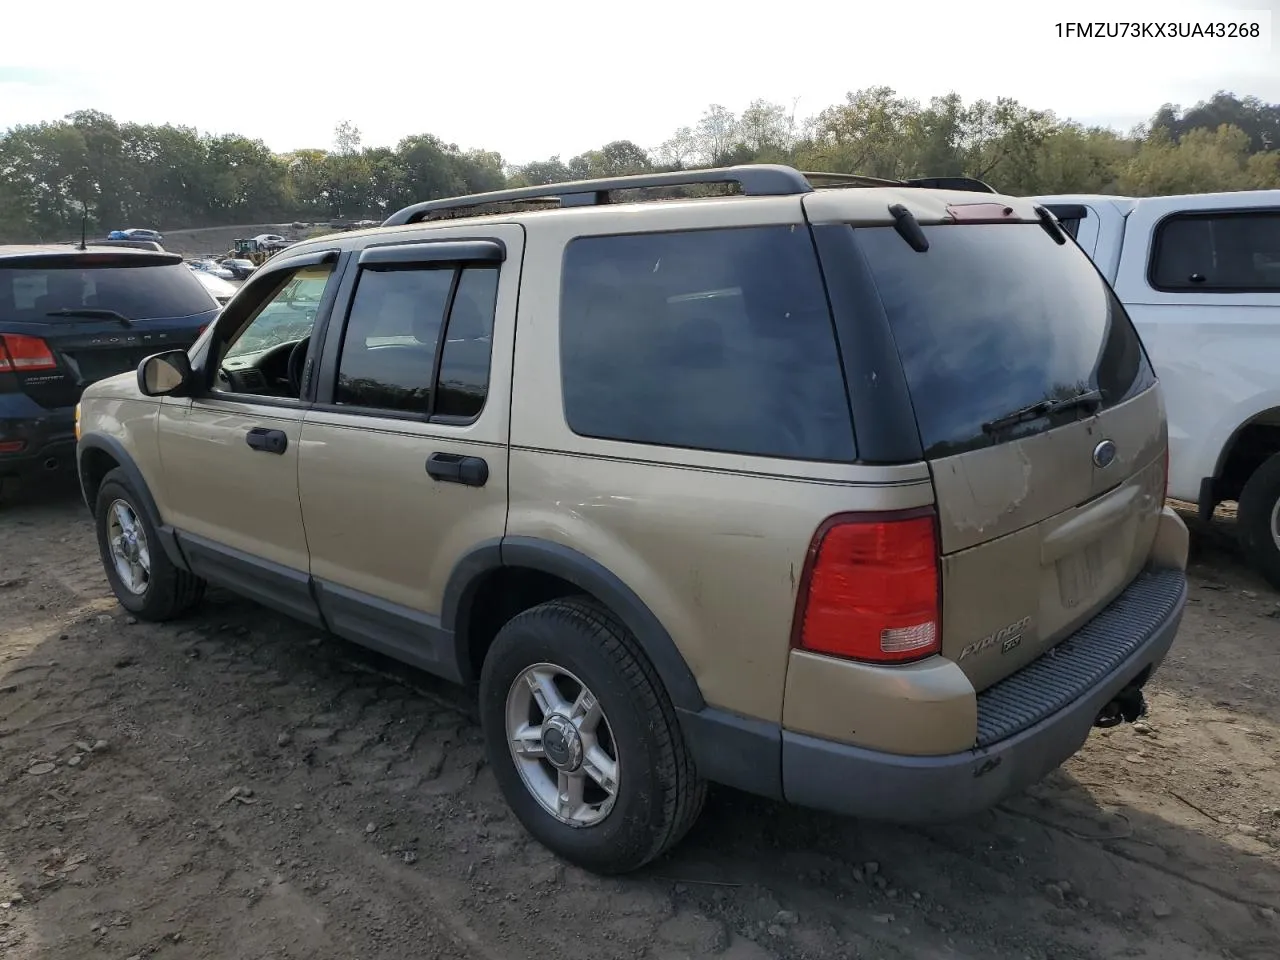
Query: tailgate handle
pixel 1088 525
pixel 455 468
pixel 266 440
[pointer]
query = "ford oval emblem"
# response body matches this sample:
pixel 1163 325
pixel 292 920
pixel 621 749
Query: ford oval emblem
pixel 1104 454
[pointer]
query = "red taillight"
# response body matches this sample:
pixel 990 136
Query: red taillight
pixel 870 588
pixel 19 354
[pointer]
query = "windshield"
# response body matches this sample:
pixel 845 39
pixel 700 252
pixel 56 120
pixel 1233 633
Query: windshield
pixel 993 318
pixel 163 291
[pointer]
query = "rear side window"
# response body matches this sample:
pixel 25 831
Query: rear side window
pixel 713 340
pixel 1217 252
pixel 166 291
pixel 993 318
pixel 396 329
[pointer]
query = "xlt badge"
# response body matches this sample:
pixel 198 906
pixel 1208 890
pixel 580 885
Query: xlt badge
pixel 1008 637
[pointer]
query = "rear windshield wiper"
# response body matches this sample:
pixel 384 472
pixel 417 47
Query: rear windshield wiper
pixel 90 313
pixel 1044 408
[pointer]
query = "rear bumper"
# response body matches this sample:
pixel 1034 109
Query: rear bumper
pixel 48 437
pixel 912 789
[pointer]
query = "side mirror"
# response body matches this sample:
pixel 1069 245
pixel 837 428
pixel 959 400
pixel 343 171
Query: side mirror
pixel 164 374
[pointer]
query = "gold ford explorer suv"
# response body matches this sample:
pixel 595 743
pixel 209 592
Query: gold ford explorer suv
pixel 843 492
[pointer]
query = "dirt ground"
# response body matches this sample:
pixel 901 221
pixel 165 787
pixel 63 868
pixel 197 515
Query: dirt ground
pixel 238 786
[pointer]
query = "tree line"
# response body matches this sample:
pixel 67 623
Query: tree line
pixel 121 174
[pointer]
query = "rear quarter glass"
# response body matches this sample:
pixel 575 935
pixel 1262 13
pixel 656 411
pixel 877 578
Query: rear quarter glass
pixel 995 317
pixel 717 340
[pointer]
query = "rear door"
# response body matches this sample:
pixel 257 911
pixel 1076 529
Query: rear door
pixel 1046 514
pixel 403 456
pixel 75 318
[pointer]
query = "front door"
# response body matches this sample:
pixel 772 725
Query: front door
pixel 230 454
pixel 403 459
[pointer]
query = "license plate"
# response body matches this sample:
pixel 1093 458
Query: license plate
pixel 1080 574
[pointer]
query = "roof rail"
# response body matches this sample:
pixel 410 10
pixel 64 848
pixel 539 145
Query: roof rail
pixel 753 180
pixel 972 184
pixel 849 179
pixel 928 183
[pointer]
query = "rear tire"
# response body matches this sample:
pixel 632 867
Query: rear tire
pixel 142 577
pixel 634 744
pixel 1258 519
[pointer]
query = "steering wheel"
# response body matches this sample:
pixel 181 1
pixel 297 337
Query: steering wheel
pixel 297 357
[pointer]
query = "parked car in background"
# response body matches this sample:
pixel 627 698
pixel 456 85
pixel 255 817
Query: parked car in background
pixel 1200 276
pixel 212 268
pixel 70 317
pixel 239 269
pixel 218 288
pixel 137 233
pixel 848 497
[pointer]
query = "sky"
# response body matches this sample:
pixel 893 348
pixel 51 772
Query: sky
pixel 535 81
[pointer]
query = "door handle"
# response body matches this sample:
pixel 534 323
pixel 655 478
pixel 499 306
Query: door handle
pixel 268 441
pixel 455 468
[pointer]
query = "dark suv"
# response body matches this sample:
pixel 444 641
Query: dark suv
pixel 70 317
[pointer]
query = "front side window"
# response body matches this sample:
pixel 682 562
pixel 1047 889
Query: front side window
pixel 286 317
pixel 1217 252
pixel 716 340
pixel 264 355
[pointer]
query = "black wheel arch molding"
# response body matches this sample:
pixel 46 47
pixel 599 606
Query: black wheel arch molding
pixel 590 576
pixel 733 750
pixel 114 449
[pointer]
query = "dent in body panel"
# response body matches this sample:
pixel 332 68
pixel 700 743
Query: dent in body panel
pixel 1046 579
pixel 988 495
pixel 992 491
pixel 712 554
pixel 920 709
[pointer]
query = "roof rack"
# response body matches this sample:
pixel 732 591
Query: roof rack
pixel 752 179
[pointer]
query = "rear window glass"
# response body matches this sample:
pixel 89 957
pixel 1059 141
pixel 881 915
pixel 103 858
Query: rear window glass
pixel 713 340
pixel 994 318
pixel 166 291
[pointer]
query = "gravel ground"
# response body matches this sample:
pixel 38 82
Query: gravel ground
pixel 236 785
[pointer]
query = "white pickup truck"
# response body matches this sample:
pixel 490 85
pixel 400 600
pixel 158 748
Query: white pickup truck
pixel 1200 276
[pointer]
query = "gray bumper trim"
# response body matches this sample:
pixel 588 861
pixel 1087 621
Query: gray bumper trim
pixel 1081 661
pixel 866 783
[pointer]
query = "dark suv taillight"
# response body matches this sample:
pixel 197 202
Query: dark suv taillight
pixel 870 588
pixel 22 354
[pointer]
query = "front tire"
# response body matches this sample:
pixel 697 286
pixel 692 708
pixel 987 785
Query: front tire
pixel 1258 519
pixel 583 740
pixel 142 577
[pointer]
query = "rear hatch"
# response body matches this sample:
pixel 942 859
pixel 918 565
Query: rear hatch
pixel 1041 424
pixel 68 319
